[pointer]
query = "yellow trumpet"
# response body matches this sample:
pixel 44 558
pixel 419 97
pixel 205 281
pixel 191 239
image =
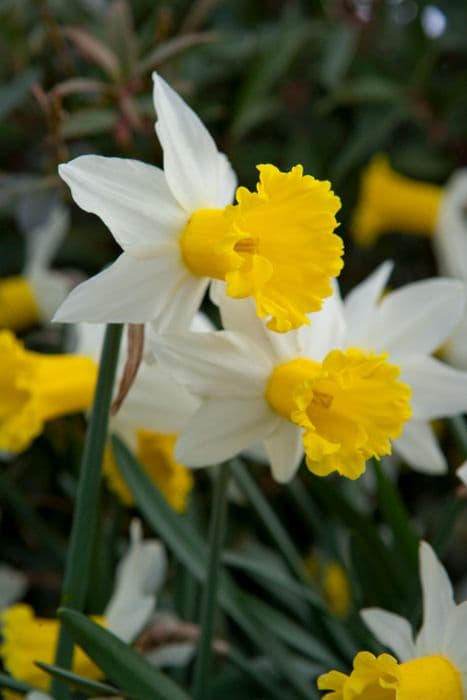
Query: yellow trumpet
pixel 390 202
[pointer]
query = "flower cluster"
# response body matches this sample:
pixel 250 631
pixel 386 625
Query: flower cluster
pixel 295 367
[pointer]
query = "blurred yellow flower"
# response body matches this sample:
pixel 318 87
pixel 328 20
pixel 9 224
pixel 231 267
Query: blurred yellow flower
pixel 27 638
pixel 331 577
pixel 155 451
pixel 390 202
pixel 18 305
pixel 35 388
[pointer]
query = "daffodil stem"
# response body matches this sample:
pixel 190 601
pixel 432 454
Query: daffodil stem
pixel 209 598
pixel 76 577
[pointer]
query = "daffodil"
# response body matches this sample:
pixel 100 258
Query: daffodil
pixel 34 296
pixel 35 388
pixel 178 230
pixel 390 202
pixel 433 666
pixel 342 389
pixel 450 245
pixel 27 638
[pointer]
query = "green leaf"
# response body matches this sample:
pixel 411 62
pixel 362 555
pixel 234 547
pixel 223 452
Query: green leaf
pixel 84 685
pixel 268 517
pixel 272 578
pixel 88 122
pixel 338 54
pixel 13 684
pixel 397 518
pixel 16 90
pixel 288 631
pixel 179 535
pixel 123 665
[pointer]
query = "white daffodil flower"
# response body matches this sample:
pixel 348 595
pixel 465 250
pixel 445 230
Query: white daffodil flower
pixel 178 230
pixel 146 210
pixel 339 388
pixel 140 574
pixel 34 296
pixel 450 244
pixel 431 666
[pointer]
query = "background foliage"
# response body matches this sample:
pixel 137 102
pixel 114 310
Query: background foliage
pixel 323 83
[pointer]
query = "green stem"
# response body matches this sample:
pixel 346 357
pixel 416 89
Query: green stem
pixel 76 577
pixel 270 520
pixel 209 599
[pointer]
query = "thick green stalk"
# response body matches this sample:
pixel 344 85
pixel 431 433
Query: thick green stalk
pixel 76 577
pixel 209 600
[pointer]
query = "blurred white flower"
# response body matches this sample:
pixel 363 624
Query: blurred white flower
pixel 34 296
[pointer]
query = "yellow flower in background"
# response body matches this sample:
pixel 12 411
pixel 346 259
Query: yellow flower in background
pixel 155 451
pixel 35 388
pixel 431 666
pixel 33 297
pixel 179 231
pixel 331 577
pixel 27 638
pixel 390 202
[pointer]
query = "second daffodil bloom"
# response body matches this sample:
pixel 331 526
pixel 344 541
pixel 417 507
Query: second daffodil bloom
pixel 433 666
pixel 342 389
pixel 178 230
pixel 27 638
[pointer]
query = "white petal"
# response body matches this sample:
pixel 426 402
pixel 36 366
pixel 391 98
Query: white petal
pixel 327 330
pixel 37 695
pixel 13 584
pixel 140 574
pixel 455 348
pixel 50 288
pixel 43 241
pixel 172 655
pixel 455 637
pixel 217 364
pixel 155 402
pixel 450 239
pixel 129 291
pixel 132 199
pixel 391 630
pixel 461 472
pixel 438 602
pixel 360 304
pixel 198 175
pixel 182 303
pixel 417 318
pixel 240 315
pixel 285 450
pixel 222 428
pixel 437 389
pixel 419 447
